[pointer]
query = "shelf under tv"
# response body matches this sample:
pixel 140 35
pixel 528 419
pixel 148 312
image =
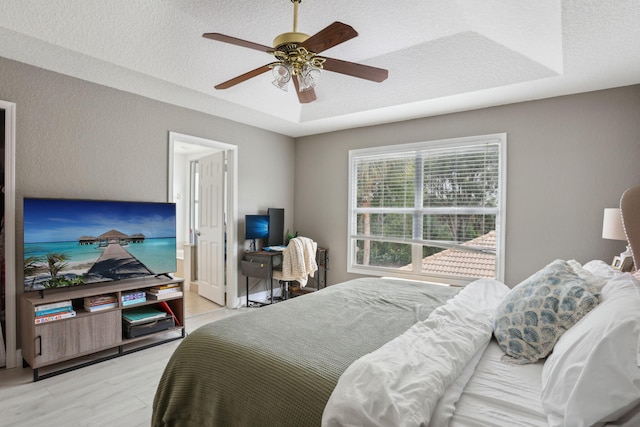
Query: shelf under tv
pixel 59 346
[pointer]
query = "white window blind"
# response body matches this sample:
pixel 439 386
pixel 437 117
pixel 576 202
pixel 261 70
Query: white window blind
pixel 409 202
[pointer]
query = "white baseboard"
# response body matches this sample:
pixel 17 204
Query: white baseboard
pixel 262 296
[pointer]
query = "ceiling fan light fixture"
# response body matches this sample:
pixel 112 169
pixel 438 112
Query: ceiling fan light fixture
pixel 297 57
pixel 282 75
pixel 309 77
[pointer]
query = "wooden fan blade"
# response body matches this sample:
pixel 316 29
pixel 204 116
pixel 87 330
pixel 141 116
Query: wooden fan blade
pixel 246 76
pixel 305 96
pixel 356 70
pixel 332 35
pixel 238 42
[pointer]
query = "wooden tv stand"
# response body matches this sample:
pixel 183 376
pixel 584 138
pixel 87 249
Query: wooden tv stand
pixel 62 345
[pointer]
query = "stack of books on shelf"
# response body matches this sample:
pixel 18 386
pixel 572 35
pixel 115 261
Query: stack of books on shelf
pixel 145 320
pixel 161 292
pixel 100 302
pixel 133 297
pixel 54 311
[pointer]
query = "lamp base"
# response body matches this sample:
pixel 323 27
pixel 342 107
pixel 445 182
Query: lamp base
pixel 626 253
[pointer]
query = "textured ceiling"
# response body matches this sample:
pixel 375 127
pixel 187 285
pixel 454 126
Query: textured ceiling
pixel 442 56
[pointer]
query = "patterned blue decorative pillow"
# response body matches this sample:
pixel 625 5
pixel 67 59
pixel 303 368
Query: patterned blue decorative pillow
pixel 535 313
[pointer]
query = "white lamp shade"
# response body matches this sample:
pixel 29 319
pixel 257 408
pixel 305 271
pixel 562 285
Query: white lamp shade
pixel 612 227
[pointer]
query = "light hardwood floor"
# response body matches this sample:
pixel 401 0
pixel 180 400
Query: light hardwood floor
pixel 195 304
pixel 117 392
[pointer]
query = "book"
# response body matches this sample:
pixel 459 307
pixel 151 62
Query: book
pixel 43 307
pixel 132 295
pixel 100 299
pixel 167 286
pixel 142 315
pixel 97 304
pixel 174 287
pixel 134 301
pixel 163 291
pixel 67 310
pixel 92 308
pixel 166 295
pixel 53 317
pixel 54 310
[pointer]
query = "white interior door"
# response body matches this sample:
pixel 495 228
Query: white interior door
pixel 211 229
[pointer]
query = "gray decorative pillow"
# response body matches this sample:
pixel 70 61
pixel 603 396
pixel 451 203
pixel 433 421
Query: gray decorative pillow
pixel 536 312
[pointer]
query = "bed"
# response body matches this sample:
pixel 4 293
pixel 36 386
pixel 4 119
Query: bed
pixel 378 351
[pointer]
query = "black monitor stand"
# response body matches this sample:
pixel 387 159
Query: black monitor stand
pixel 252 245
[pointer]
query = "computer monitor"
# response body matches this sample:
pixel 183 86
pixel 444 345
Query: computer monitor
pixel 276 226
pixel 256 227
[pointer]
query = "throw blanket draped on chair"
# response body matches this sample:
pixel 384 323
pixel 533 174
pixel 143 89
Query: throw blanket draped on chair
pixel 299 260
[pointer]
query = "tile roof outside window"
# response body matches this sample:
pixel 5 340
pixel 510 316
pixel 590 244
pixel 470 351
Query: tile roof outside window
pixel 463 263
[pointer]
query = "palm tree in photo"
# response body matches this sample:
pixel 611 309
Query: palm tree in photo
pixel 31 266
pixel 56 262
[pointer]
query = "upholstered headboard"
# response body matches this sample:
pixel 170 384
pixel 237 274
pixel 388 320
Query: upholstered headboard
pixel 630 209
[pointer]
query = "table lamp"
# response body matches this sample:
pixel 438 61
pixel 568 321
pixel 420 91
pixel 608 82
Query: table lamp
pixel 613 229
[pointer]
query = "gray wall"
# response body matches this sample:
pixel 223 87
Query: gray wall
pixel 76 139
pixel 568 158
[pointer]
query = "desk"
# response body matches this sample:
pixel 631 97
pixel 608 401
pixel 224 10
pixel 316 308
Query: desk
pixel 260 265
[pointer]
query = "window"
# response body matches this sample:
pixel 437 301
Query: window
pixel 433 210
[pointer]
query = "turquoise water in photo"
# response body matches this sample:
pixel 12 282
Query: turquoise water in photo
pixel 158 255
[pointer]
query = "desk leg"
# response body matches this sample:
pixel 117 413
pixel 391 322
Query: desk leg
pixel 247 292
pixel 271 286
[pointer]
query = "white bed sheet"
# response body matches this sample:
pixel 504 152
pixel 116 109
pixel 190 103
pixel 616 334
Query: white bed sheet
pixel 501 394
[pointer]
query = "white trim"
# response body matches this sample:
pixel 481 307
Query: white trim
pixel 444 143
pixel 232 205
pixel 501 219
pixel 263 296
pixel 352 267
pixel 13 355
pixel 233 301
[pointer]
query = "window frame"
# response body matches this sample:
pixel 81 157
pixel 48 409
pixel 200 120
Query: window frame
pixel 352 237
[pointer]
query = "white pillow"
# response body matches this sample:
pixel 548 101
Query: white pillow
pixel 595 274
pixel 593 374
pixel 601 269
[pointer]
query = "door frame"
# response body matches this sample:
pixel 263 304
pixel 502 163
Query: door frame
pixel 12 354
pixel 231 278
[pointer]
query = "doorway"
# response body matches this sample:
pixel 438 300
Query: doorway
pixel 187 155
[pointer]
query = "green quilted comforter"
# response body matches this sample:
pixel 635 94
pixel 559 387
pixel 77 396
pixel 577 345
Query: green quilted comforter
pixel 277 365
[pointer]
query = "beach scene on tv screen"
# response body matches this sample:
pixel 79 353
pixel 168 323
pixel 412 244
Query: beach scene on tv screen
pixel 75 242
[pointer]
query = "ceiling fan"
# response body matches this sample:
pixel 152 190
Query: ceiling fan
pixel 297 58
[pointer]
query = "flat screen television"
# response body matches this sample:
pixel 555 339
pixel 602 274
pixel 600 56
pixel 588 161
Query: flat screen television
pixel 256 227
pixel 76 242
